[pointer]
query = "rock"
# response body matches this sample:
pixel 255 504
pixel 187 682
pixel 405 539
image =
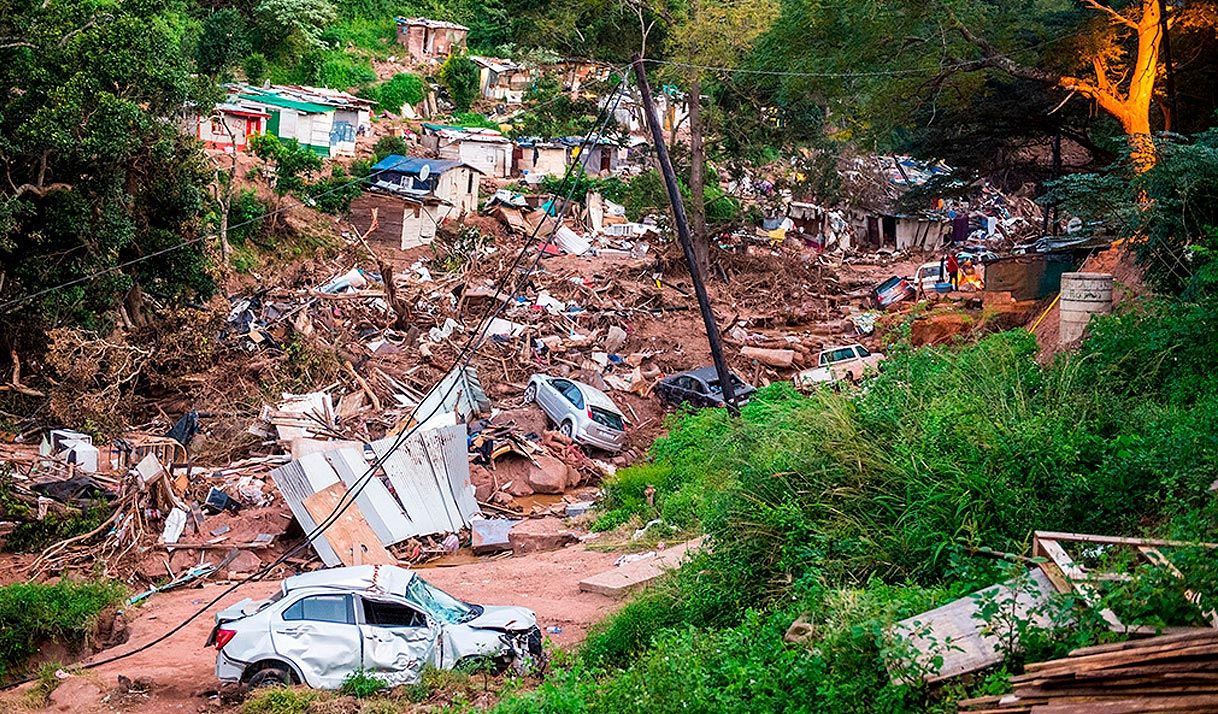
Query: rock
pixel 76 694
pixel 245 562
pixel 112 630
pixel 518 487
pixel 483 481
pixel 579 508
pixel 182 560
pixel 548 475
pixel 490 535
pixel 539 534
pixel 501 498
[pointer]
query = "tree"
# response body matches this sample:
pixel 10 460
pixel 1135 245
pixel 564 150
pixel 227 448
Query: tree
pixel 875 63
pixel 293 26
pixel 291 166
pixel 96 172
pixel 223 41
pixel 463 79
pixel 714 33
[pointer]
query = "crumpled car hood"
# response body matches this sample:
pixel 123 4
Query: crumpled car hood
pixel 504 617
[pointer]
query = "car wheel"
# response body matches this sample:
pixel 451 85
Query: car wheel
pixel 567 429
pixel 530 394
pixel 272 675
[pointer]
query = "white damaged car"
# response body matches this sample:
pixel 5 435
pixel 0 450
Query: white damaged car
pixel 322 626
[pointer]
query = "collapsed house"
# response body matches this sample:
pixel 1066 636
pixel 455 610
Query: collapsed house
pixel 412 196
pixel 502 79
pixel 430 41
pixel 876 218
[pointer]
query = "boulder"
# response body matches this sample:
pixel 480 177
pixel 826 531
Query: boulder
pixel 519 487
pixel 540 534
pixel 245 563
pixel 76 694
pixel 483 482
pixel 548 475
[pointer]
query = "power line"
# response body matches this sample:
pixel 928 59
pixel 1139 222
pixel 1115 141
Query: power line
pixel 5 306
pixel 476 338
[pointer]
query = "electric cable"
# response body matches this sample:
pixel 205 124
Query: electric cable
pixel 476 339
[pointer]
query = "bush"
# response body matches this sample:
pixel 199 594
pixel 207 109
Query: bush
pixel 31 614
pixel 399 90
pixel 255 68
pixel 280 700
pixel 389 145
pixel 463 80
pixel 360 684
pixel 857 509
pixel 33 536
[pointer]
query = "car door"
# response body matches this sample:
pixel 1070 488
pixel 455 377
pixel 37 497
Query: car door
pixel 555 401
pixel 399 640
pixel 319 635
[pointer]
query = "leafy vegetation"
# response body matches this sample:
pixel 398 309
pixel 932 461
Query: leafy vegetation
pixel 461 76
pixel 362 684
pixel 32 614
pixel 399 90
pixel 862 509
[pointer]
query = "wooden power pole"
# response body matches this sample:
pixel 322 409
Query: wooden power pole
pixel 687 246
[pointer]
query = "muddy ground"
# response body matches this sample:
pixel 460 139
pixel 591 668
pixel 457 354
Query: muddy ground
pixel 179 673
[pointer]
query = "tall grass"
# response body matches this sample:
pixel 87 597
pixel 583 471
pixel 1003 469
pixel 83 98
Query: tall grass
pixel 860 509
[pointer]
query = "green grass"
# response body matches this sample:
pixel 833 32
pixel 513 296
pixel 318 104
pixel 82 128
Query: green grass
pixel 32 614
pixel 859 509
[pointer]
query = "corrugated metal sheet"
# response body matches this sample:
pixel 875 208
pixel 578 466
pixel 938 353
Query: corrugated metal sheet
pixel 294 484
pixel 382 511
pixel 430 473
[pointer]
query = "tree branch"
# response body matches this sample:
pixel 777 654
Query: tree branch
pixel 993 58
pixel 1112 14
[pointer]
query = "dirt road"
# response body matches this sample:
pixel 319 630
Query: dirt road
pixel 181 668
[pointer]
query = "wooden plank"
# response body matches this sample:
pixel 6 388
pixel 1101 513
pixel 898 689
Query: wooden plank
pixel 1116 540
pixel 349 534
pixel 957 633
pixel 1205 635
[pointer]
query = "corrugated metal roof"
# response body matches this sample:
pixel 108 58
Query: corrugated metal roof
pixel 412 165
pixel 427 22
pixel 275 100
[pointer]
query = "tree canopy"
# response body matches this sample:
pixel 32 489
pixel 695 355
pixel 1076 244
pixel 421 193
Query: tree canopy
pixel 97 171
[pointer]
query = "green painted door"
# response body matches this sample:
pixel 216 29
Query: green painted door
pixel 272 124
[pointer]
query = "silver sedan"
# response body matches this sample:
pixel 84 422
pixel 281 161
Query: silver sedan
pixel 581 411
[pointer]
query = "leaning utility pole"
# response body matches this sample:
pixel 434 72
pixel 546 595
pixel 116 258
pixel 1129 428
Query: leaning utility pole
pixel 678 214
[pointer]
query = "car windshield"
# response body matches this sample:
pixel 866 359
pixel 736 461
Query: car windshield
pixel 440 604
pixel 928 270
pixel 604 417
pixel 863 352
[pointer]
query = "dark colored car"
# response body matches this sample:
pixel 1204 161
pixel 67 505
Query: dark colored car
pixel 700 387
pixel 892 291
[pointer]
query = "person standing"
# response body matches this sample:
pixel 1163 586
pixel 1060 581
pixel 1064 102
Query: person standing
pixel 953 270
